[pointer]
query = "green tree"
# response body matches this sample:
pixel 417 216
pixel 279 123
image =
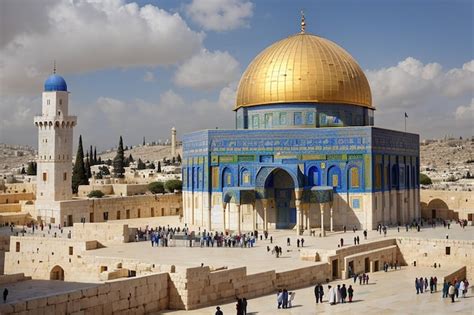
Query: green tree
pixel 119 161
pixel 23 171
pixel 87 166
pixel 104 170
pixel 178 158
pixel 79 171
pixel 95 156
pixel 144 141
pixel 156 187
pixel 91 160
pixel 173 160
pixel 31 169
pixel 425 180
pixel 95 194
pixel 158 168
pixel 99 161
pixel 173 184
pixel 151 166
pixel 130 158
pixel 140 165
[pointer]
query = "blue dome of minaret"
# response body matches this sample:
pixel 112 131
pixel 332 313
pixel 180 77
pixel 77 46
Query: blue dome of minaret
pixel 55 83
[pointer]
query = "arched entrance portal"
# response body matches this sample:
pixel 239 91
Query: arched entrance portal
pixel 281 186
pixel 57 273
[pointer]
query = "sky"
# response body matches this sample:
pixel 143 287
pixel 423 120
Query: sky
pixel 137 69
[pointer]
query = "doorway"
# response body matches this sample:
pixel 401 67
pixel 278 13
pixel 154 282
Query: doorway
pixel 283 188
pixel 351 268
pixel 69 220
pixel 127 214
pixel 91 217
pixel 433 213
pixel 367 264
pixel 376 266
pixel 57 273
pixel 335 269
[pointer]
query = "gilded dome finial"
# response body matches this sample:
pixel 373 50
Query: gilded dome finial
pixel 303 22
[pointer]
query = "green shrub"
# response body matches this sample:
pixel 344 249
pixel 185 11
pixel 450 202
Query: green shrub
pixel 156 187
pixel 95 194
pixel 425 180
pixel 173 184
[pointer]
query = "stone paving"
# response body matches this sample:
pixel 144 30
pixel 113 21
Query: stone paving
pixel 390 292
pixel 257 259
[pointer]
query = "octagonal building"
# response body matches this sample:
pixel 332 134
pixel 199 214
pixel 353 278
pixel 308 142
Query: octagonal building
pixel 305 154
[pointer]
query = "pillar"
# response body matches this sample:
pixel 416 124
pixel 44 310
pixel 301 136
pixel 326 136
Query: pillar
pixel 299 217
pixel 209 215
pixel 307 219
pixel 254 217
pixel 321 207
pixel 173 141
pixel 224 206
pixel 265 214
pixel 239 218
pixel 331 221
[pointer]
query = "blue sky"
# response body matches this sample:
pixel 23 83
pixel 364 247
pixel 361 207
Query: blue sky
pixel 417 56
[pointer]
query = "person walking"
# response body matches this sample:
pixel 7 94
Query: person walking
pixel 218 311
pixel 5 295
pixel 417 285
pixel 343 293
pixel 358 240
pixel 280 298
pixel 298 242
pixel 318 293
pixel 244 306
pixel 342 242
pixel 462 288
pixel 285 298
pixel 365 234
pixel 302 242
pixel 350 292
pixel 355 277
pixel 288 242
pixel 451 292
pixel 445 289
pixel 431 285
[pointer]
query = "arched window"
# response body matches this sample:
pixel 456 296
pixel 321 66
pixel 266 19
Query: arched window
pixel 334 177
pixel 378 175
pixel 227 180
pixel 245 177
pixel 354 178
pixel 395 175
pixel 314 176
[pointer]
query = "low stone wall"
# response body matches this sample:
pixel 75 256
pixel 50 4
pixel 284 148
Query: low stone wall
pixel 84 190
pixel 459 274
pixel 375 258
pixel 139 295
pixel 17 277
pixel 17 218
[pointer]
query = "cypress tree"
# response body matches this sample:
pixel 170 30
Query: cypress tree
pixel 130 158
pixel 91 161
pixel 179 158
pixel 79 171
pixel 95 156
pixel 31 169
pixel 87 166
pixel 141 165
pixel 158 168
pixel 119 161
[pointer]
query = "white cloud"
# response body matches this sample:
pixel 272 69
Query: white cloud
pixel 149 77
pixel 427 92
pixel 466 113
pixel 208 70
pixel 87 35
pixel 220 15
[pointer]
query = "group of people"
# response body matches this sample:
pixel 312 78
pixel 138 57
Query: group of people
pixel 421 284
pixel 285 298
pixel 336 295
pixel 392 265
pixel 363 278
pixel 454 288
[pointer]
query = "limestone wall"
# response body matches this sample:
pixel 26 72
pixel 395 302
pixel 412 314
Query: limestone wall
pixel 447 204
pixel 10 207
pixel 140 295
pixel 106 234
pixel 21 188
pixel 15 197
pixel 117 208
pixel 84 190
pixel 426 252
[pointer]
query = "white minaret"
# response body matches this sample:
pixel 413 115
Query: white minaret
pixel 173 141
pixel 55 138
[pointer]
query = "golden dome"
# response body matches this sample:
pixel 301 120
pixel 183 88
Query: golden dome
pixel 303 68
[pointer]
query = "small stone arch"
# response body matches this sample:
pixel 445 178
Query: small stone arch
pixel 63 124
pixel 56 124
pixel 57 273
